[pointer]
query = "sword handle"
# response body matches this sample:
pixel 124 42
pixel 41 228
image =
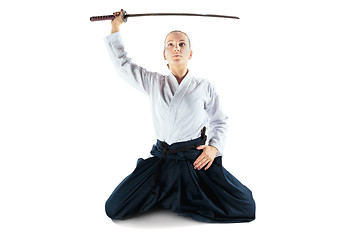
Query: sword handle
pixel 108 17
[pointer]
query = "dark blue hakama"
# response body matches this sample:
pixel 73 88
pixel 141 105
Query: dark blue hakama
pixel 169 180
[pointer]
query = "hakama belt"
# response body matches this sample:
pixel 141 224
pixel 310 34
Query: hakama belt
pixel 164 152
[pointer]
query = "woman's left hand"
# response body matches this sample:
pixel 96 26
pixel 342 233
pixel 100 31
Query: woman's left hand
pixel 206 157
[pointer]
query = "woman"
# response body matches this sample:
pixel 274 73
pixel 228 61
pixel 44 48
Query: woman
pixel 185 172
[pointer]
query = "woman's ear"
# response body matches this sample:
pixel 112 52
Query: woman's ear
pixel 191 54
pixel 164 55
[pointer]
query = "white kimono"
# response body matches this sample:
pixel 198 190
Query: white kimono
pixel 179 111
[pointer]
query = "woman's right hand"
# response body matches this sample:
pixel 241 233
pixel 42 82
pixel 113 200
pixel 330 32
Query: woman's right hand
pixel 117 21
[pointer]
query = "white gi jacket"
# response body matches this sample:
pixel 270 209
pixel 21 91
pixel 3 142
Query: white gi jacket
pixel 179 111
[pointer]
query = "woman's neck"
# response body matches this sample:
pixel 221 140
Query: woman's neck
pixel 179 74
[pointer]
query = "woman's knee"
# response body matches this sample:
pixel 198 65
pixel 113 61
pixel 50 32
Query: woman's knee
pixel 112 210
pixel 251 210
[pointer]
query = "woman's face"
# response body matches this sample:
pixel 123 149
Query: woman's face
pixel 177 50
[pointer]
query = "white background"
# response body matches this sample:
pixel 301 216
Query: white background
pixel 71 129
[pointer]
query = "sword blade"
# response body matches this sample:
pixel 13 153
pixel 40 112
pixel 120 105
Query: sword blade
pixel 179 14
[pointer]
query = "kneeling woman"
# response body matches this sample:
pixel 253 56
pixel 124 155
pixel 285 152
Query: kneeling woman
pixel 185 173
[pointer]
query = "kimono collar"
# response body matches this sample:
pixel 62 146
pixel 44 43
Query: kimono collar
pixel 184 81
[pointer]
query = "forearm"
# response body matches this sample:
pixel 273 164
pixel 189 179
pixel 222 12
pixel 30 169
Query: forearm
pixel 117 21
pixel 114 29
pixel 218 122
pixel 218 137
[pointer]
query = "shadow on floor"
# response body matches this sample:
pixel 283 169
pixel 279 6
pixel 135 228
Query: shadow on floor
pixel 157 218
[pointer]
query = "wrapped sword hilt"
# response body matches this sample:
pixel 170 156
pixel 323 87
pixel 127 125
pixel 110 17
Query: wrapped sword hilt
pixel 108 17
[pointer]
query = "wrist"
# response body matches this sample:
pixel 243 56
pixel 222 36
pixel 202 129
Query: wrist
pixel 214 148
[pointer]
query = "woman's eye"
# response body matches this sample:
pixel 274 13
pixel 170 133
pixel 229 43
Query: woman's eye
pixel 170 44
pixel 182 44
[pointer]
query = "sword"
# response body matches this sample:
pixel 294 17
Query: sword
pixel 125 16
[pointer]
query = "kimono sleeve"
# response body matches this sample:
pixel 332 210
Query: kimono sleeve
pixel 135 75
pixel 218 120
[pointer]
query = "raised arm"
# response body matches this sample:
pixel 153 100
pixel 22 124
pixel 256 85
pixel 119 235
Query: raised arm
pixel 135 75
